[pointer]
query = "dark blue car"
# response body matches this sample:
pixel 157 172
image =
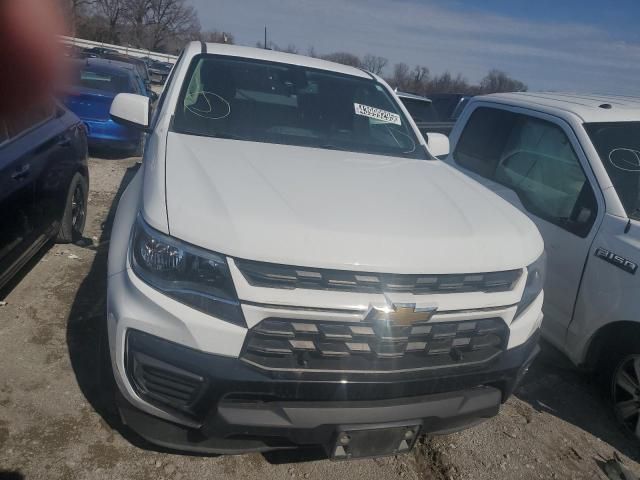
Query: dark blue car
pixel 97 82
pixel 44 182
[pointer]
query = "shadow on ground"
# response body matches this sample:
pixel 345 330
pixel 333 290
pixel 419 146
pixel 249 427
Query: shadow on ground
pixel 555 386
pixel 26 268
pixel 86 325
pixel 110 153
pixel 4 475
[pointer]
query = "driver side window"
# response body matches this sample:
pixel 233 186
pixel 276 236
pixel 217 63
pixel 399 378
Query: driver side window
pixel 536 160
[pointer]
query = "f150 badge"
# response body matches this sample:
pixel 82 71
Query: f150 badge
pixel 617 260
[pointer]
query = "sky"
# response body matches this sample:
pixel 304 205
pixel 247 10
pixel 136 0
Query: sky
pixel 566 45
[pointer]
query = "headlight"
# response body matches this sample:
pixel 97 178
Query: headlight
pixel 536 273
pixel 191 275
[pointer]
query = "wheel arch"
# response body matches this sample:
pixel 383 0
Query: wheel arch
pixel 622 331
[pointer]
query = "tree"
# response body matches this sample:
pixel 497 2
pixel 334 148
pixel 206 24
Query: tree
pixel 112 10
pixel 400 78
pixel 419 78
pixel 446 83
pixel 137 13
pixel 344 58
pixel 291 48
pixel 498 81
pixel 374 63
pixel 217 37
pixel 169 20
pixel 75 11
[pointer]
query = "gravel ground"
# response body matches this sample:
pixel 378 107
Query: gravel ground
pixel 56 424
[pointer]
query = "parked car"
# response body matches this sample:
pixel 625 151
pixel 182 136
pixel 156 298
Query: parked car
pixel 99 51
pixel 158 71
pixel 96 83
pixel 425 115
pixel 291 267
pixel 44 183
pixel 141 68
pixel 449 105
pixel 572 164
pixel 73 51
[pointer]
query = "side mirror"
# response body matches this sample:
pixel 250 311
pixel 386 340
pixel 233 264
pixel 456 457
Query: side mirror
pixel 438 144
pixel 131 110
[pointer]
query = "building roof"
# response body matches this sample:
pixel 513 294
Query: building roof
pixel 280 57
pixel 588 107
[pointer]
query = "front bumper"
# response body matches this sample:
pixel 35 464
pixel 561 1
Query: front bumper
pixel 240 409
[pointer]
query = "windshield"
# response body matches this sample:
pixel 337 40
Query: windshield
pixel 420 110
pixel 260 101
pixel 618 144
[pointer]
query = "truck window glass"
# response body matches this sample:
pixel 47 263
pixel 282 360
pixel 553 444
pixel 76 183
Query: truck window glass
pixel 535 159
pixel 269 102
pixel 420 110
pixel 618 144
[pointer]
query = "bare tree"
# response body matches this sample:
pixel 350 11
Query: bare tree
pixel 400 77
pixel 75 11
pixel 291 48
pixel 112 10
pixel 169 20
pixel 216 36
pixel 345 58
pixel 374 63
pixel 419 78
pixel 137 14
pixel 498 81
pixel 446 83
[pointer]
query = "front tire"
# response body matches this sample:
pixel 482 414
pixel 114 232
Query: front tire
pixel 625 392
pixel 75 211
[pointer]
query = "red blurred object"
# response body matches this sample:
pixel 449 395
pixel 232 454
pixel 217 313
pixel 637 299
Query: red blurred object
pixel 30 54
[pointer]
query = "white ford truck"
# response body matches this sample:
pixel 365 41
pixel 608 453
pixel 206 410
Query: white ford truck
pixel 572 164
pixel 292 267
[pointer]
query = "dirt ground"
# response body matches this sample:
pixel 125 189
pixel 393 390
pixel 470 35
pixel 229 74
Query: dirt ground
pixel 55 423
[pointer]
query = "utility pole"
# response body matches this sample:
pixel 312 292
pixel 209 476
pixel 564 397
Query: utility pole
pixel 265 37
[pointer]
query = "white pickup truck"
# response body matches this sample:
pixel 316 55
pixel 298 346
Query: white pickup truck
pixel 292 267
pixel 572 164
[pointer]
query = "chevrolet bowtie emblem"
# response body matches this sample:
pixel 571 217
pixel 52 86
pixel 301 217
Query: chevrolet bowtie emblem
pixel 403 314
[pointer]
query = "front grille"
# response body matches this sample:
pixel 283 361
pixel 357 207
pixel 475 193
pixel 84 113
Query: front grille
pixel 271 275
pixel 165 383
pixel 372 347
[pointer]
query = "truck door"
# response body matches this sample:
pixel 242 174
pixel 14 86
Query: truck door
pixel 535 162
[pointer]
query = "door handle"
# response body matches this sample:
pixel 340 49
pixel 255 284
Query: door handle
pixel 21 172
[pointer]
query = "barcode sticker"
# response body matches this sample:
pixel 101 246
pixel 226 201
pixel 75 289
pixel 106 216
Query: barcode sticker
pixel 377 114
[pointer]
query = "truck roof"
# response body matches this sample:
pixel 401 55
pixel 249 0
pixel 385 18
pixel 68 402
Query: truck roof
pixel 274 56
pixel 589 107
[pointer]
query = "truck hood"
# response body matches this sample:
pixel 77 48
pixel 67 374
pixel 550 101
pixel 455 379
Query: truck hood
pixel 343 210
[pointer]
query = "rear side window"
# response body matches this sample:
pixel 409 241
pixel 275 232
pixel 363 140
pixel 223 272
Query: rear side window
pixel 535 159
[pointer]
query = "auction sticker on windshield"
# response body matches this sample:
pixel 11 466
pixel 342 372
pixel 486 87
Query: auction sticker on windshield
pixel 377 114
